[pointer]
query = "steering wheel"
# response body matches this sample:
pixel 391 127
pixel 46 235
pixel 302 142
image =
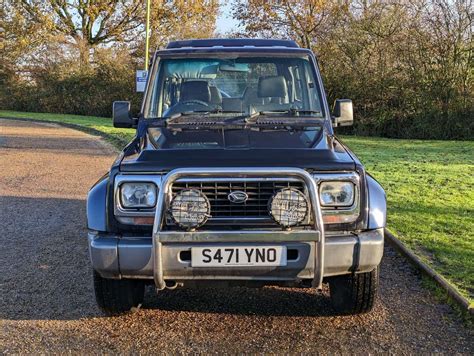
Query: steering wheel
pixel 194 101
pixel 181 106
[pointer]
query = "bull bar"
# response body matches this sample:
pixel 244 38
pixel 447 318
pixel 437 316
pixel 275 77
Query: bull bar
pixel 315 234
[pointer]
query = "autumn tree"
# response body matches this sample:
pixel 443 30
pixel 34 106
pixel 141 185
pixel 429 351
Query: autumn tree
pixel 88 24
pixel 84 24
pixel 442 51
pixel 302 20
pixel 77 56
pixel 174 20
pixel 407 64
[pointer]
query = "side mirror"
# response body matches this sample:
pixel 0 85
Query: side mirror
pixel 121 115
pixel 343 113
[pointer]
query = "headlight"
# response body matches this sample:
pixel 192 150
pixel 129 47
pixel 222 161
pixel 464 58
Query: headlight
pixel 336 193
pixel 289 207
pixel 190 209
pixel 138 195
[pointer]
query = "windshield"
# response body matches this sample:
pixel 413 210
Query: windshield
pixel 241 85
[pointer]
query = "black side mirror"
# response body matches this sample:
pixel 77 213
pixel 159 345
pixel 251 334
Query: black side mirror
pixel 121 115
pixel 343 113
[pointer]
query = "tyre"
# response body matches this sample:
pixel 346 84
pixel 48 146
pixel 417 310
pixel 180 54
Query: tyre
pixel 117 296
pixel 354 293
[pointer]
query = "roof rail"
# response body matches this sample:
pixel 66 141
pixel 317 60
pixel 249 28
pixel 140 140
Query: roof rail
pixel 232 42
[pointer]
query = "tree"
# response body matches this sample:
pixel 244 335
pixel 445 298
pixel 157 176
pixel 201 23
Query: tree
pixel 43 39
pixel 407 64
pixel 445 32
pixel 179 19
pixel 85 24
pixel 306 21
pixel 19 36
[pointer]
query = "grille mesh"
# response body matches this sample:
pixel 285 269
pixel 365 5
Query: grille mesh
pixel 259 193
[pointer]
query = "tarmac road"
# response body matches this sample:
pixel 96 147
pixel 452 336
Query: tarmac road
pixel 46 295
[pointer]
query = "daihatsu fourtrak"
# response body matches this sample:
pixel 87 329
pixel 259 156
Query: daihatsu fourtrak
pixel 235 178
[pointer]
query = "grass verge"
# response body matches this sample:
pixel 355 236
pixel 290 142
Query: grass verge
pixel 92 124
pixel 429 185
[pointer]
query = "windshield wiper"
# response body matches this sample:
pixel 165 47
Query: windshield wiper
pixel 219 111
pixel 183 120
pixel 263 119
pixel 295 112
pixel 185 115
pixel 266 119
pixel 165 119
pixel 194 119
pixel 200 114
pixel 292 112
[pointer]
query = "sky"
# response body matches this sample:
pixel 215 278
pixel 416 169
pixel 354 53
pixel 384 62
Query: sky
pixel 225 22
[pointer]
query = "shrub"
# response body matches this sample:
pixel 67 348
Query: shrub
pixel 68 88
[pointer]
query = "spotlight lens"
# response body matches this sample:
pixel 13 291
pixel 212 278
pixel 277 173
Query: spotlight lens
pixel 190 209
pixel 289 207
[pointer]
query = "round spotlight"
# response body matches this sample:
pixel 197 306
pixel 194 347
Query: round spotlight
pixel 289 207
pixel 190 209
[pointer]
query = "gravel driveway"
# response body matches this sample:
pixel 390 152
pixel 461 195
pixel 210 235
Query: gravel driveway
pixel 47 303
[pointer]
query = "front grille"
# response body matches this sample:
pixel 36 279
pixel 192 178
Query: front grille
pixel 224 211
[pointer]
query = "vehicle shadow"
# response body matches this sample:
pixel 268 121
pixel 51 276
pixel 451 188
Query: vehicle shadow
pixel 268 301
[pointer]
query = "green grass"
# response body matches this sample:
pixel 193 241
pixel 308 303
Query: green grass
pixel 98 125
pixel 430 194
pixel 429 185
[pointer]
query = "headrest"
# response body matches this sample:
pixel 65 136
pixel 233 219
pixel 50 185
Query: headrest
pixel 195 90
pixel 272 87
pixel 216 96
pixel 250 96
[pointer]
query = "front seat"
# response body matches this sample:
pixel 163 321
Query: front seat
pixel 194 95
pixel 195 90
pixel 250 97
pixel 275 90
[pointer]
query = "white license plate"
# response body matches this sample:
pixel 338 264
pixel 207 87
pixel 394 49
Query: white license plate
pixel 228 256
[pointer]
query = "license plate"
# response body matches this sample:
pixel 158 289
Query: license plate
pixel 228 256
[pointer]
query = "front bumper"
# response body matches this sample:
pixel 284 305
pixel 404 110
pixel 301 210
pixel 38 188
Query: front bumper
pixel 132 257
pixel 163 256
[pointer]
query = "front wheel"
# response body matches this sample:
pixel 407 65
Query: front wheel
pixel 354 293
pixel 117 296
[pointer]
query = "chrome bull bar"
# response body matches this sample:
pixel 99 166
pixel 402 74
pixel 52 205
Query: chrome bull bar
pixel 165 195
